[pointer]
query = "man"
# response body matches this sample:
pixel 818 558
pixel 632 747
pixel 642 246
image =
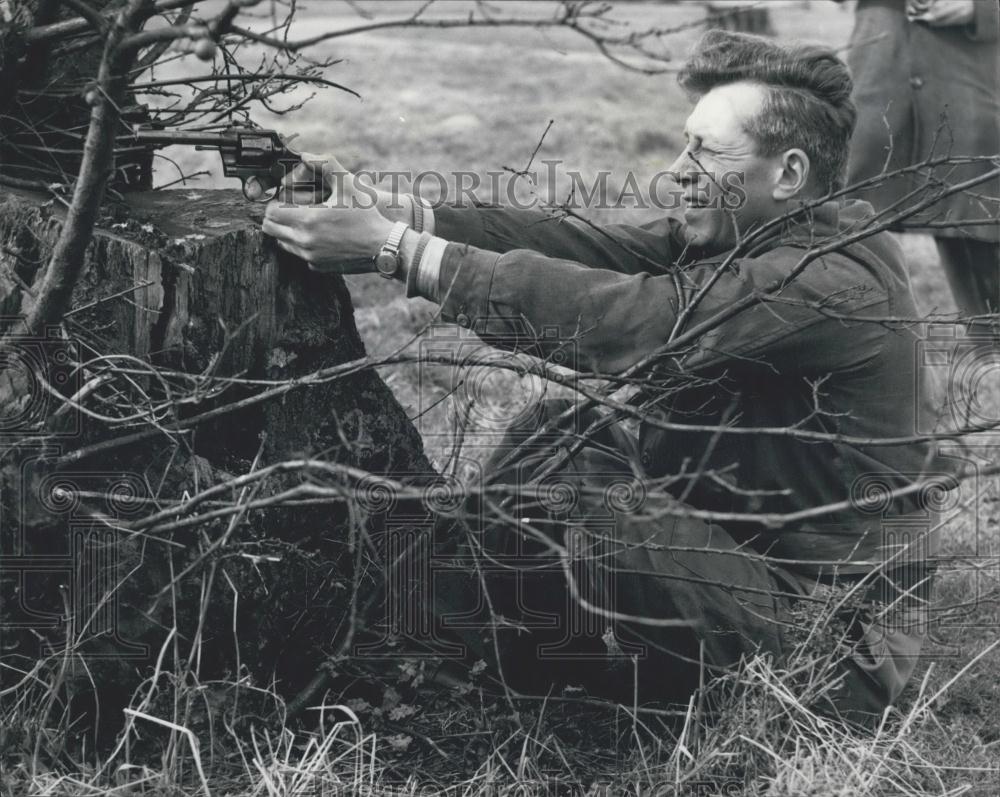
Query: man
pixel 773 392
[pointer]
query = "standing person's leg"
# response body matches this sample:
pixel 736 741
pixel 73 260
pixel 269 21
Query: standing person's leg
pixel 972 269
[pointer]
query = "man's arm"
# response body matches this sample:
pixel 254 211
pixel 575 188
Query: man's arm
pixel 980 18
pixel 652 247
pixel 986 21
pixel 607 321
pixel 598 318
pixel 626 249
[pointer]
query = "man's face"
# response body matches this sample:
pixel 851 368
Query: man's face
pixel 728 187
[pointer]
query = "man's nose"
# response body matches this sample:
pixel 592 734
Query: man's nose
pixel 682 170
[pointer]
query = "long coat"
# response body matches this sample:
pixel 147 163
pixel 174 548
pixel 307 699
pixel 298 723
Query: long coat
pixel 938 91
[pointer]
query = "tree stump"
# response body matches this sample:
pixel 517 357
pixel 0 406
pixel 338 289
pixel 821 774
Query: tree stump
pixel 180 290
pixel 183 363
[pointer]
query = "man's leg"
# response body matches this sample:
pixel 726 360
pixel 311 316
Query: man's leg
pixel 650 605
pixel 884 628
pixel 505 597
pixel 610 593
pixel 653 599
pixel 726 598
pixel 606 585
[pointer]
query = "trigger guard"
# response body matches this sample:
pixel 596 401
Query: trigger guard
pixel 266 196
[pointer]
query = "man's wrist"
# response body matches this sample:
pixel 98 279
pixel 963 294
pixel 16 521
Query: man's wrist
pixel 396 207
pixel 420 263
pixel 407 250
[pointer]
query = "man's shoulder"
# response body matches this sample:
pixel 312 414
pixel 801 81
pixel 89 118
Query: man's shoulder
pixel 843 236
pixel 876 261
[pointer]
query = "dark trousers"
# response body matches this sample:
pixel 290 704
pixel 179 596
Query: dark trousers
pixel 574 580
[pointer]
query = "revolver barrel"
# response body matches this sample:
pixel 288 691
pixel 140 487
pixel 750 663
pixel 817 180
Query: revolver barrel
pixel 166 138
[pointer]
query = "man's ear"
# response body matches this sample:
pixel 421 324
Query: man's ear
pixel 793 176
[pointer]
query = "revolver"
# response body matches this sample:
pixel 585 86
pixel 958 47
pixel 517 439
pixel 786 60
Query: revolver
pixel 246 152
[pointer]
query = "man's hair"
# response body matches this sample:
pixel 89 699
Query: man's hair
pixel 808 103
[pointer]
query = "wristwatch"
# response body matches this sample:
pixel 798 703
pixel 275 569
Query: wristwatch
pixel 388 261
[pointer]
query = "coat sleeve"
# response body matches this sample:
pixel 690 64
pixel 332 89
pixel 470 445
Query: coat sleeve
pixel 598 320
pixel 626 249
pixel 986 21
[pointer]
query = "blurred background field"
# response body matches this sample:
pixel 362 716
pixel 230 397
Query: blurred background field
pixel 479 101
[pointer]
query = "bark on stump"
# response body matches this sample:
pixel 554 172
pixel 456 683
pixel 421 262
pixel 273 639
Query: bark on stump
pixel 182 280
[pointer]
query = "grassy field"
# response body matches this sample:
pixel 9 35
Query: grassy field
pixel 479 101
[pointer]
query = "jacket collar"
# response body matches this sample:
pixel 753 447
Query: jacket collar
pixel 809 226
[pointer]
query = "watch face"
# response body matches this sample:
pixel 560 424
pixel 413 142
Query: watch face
pixel 386 263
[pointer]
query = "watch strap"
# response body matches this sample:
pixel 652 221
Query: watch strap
pixel 387 261
pixel 418 213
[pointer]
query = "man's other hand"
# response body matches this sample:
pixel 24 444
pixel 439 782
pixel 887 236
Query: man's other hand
pixel 312 181
pixel 945 13
pixel 317 177
pixel 328 217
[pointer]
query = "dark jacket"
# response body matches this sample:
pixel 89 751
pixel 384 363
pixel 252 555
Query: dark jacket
pixel 923 91
pixel 521 278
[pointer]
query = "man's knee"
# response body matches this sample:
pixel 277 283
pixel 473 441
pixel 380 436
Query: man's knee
pixel 673 534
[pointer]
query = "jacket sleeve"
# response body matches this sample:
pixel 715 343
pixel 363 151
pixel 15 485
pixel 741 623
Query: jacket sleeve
pixel 626 249
pixel 986 21
pixel 598 320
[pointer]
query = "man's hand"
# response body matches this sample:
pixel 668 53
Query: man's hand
pixel 326 217
pixel 945 13
pixel 304 186
pixel 312 181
